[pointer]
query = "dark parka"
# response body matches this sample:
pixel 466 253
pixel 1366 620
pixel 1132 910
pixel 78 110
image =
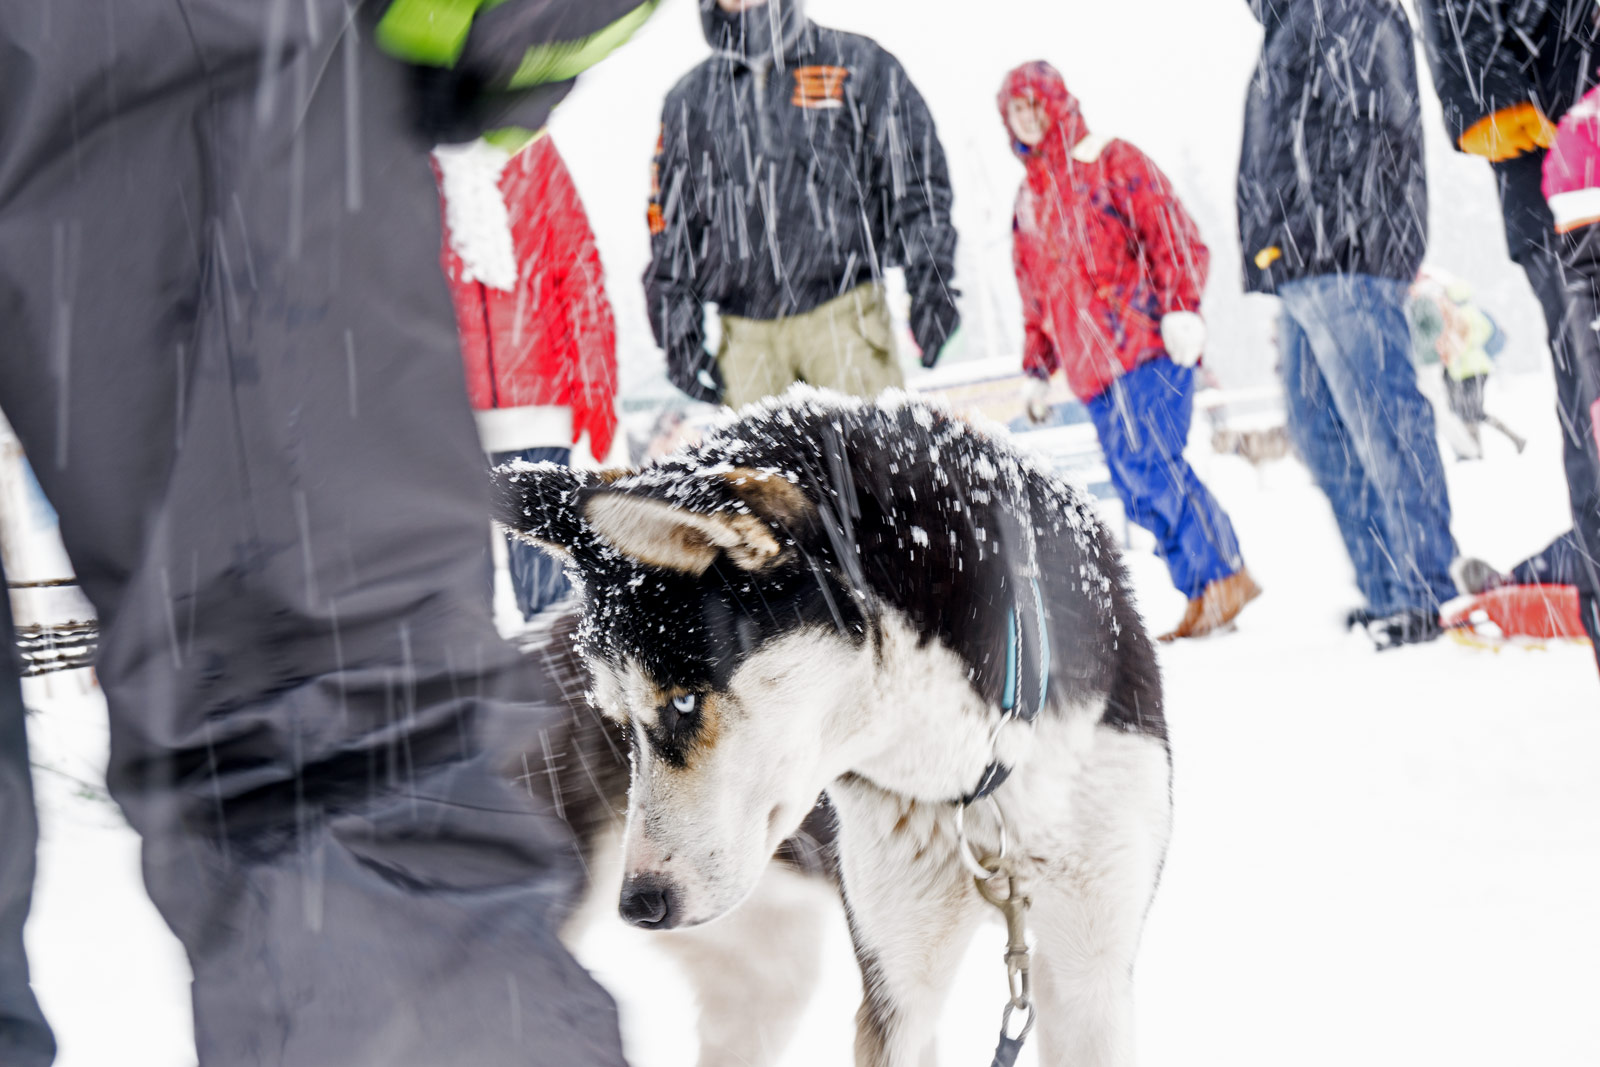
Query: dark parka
pixel 788 173
pixel 1488 55
pixel 1332 170
pixel 229 352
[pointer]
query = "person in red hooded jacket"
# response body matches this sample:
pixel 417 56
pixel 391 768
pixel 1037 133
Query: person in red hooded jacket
pixel 537 332
pixel 1110 268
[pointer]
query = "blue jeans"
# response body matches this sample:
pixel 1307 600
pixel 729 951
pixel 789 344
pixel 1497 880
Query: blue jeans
pixel 1143 422
pixel 537 577
pixel 1368 435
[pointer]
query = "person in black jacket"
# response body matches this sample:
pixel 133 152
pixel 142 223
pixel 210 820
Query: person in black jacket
pixel 224 328
pixel 1333 205
pixel 1506 73
pixel 794 166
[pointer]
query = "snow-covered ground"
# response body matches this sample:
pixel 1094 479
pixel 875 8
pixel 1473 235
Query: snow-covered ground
pixel 1379 859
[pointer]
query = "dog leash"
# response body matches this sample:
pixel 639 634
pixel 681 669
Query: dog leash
pixel 988 873
pixel 1027 658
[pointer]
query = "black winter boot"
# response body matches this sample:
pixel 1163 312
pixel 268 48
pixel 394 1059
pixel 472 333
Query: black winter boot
pixel 1412 626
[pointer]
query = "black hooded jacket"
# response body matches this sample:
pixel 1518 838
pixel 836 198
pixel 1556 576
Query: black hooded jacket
pixel 1332 170
pixel 787 175
pixel 1488 55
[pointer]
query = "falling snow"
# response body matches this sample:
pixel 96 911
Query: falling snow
pixel 1378 858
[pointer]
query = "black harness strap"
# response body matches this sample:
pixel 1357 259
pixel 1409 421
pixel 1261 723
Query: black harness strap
pixel 1027 676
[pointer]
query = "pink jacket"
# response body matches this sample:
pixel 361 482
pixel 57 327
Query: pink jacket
pixel 1572 167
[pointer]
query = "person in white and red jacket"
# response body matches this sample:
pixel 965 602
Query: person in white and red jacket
pixel 537 333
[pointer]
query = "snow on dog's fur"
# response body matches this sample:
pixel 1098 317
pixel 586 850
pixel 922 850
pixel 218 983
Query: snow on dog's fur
pixel 817 597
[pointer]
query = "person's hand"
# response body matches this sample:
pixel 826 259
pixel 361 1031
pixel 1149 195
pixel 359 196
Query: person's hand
pixel 1184 335
pixel 952 346
pixel 934 324
pixel 694 370
pixel 1036 399
pixel 1509 132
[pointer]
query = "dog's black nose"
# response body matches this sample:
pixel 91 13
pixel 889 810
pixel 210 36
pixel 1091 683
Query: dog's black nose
pixel 647 902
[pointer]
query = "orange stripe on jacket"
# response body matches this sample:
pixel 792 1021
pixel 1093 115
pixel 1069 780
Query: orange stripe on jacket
pixel 819 88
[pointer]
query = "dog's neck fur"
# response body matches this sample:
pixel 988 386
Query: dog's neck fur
pixel 924 734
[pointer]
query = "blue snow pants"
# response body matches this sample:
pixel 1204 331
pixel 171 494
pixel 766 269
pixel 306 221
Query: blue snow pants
pixel 1368 435
pixel 1143 422
pixel 537 577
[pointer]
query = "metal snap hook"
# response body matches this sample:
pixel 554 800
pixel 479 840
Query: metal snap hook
pixel 981 869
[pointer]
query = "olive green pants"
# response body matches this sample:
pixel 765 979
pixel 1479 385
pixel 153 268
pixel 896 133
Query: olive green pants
pixel 845 344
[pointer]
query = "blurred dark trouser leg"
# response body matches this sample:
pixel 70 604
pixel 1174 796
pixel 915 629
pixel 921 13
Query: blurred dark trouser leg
pixel 25 1039
pixel 537 577
pixel 1358 334
pixel 1568 289
pixel 1143 424
pixel 1555 564
pixel 232 356
pixel 1323 441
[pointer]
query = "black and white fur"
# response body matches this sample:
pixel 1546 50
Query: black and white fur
pixel 751 974
pixel 816 598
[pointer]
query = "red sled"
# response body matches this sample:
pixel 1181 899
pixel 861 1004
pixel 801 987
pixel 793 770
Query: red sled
pixel 1538 611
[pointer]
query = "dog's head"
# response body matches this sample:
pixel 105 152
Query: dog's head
pixel 718 629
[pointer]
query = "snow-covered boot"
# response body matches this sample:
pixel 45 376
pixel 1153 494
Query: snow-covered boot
pixel 1413 626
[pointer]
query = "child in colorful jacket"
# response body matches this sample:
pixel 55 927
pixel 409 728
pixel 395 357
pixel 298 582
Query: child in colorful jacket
pixel 537 332
pixel 1110 268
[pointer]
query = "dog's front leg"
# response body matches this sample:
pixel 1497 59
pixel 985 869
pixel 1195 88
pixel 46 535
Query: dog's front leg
pixel 1082 978
pixel 912 913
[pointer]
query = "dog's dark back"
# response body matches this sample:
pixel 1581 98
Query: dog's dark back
pixel 1009 519
pixel 946 524
pixel 909 508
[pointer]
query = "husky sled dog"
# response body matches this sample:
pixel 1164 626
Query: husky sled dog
pixel 751 973
pixel 877 600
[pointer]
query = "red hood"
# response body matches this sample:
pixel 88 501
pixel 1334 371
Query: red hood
pixel 1045 84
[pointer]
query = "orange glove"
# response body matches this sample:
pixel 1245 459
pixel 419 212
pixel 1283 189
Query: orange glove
pixel 1509 133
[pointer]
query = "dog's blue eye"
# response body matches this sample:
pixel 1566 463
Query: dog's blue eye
pixel 686 704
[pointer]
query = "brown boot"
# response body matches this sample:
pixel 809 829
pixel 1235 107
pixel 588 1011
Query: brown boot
pixel 1191 618
pixel 1216 606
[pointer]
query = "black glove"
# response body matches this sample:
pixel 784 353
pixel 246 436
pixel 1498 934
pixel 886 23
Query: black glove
pixel 694 370
pixel 445 105
pixel 933 321
pixel 452 107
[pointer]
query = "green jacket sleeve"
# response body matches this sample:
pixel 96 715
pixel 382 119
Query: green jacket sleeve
pixel 510 44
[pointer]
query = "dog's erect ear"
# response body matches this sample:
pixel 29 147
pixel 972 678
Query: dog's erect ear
pixel 683 524
pixel 539 502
